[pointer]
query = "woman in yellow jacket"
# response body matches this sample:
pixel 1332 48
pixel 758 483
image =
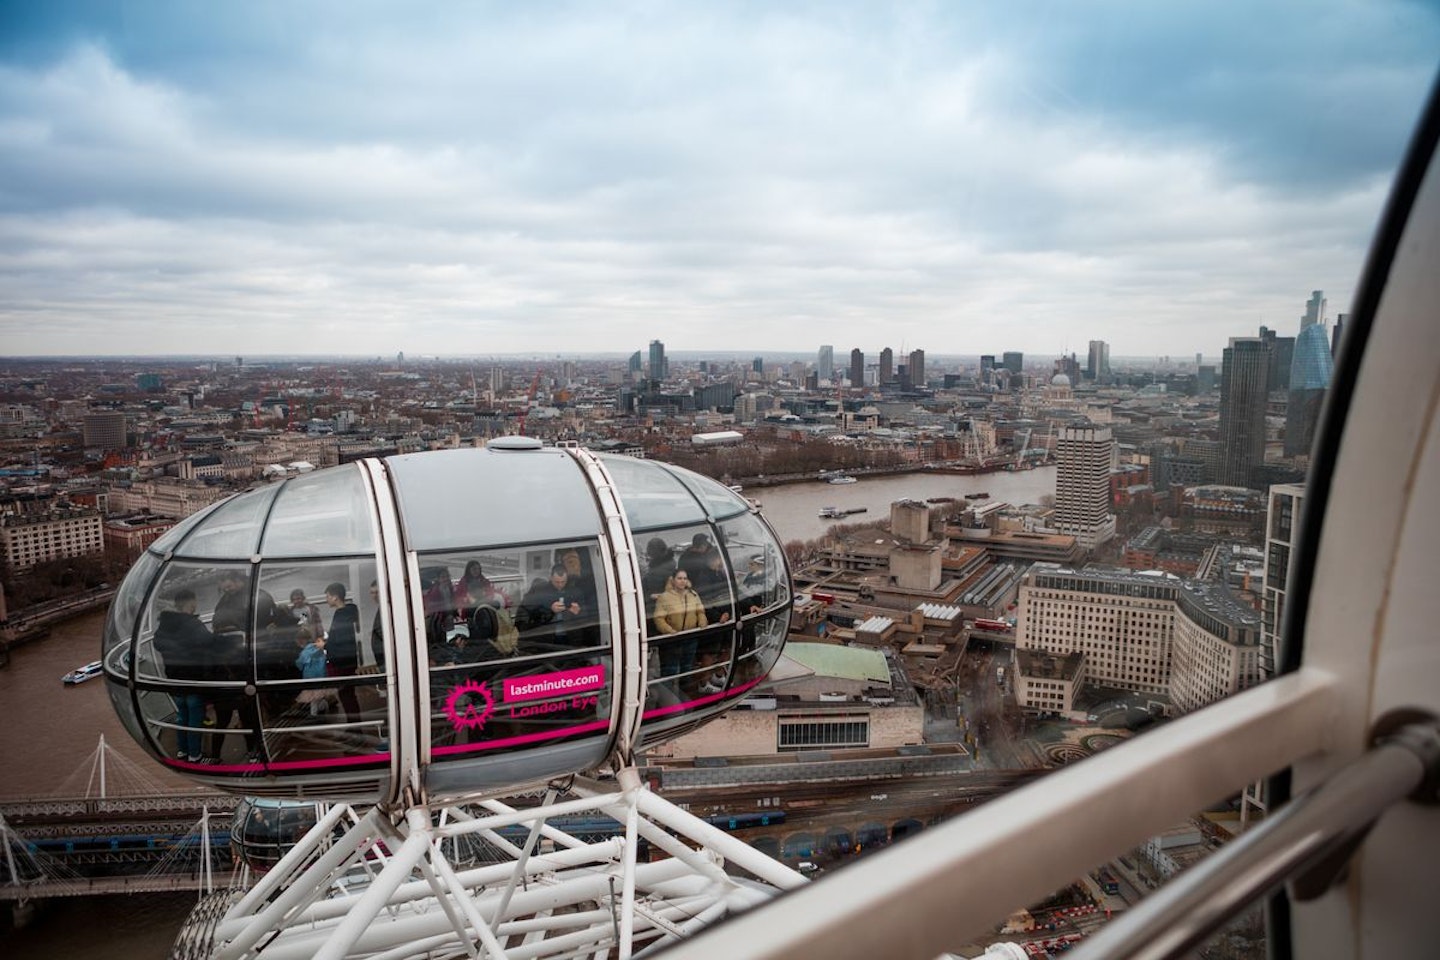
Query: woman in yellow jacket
pixel 678 609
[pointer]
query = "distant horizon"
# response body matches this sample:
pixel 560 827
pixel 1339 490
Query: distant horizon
pixel 735 356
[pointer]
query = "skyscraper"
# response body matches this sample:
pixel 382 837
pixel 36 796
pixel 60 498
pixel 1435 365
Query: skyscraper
pixel 825 363
pixel 636 366
pixel 1310 371
pixel 887 366
pixel 1244 388
pixel 917 368
pixel 857 368
pixel 659 366
pixel 758 365
pixel 1282 351
pixel 1082 484
pixel 1013 362
pixel 1314 309
pixel 1097 365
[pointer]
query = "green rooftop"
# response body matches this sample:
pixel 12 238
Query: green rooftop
pixel 847 663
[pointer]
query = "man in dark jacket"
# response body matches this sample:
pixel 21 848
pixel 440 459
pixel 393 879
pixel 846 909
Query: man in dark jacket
pixel 237 644
pixel 232 610
pixel 184 646
pixel 342 644
pixel 550 603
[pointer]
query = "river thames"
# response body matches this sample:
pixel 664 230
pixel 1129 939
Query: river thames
pixel 49 731
pixel 794 510
pixel 47 739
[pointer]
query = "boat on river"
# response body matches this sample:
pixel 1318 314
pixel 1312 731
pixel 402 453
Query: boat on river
pixel 841 478
pixel 80 674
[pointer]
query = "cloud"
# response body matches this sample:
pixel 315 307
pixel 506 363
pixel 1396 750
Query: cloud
pixel 563 178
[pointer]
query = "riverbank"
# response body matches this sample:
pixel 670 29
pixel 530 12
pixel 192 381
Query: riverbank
pixel 794 509
pixel 33 624
pixel 923 469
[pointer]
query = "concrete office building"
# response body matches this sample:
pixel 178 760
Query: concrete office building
pixel 65 532
pixel 1122 622
pixel 1149 632
pixel 917 368
pixel 819 697
pixel 1282 519
pixel 1216 647
pixel 1082 484
pixel 104 430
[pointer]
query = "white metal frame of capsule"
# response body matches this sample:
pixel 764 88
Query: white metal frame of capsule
pixel 368 884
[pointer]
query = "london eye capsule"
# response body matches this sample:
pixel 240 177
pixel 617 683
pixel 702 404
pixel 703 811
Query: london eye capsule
pixel 263 830
pixel 442 624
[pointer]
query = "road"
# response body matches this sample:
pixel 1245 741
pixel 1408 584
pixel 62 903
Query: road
pixel 838 817
pixel 991 711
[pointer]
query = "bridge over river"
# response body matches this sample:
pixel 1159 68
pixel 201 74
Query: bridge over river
pixel 86 846
pixel 81 846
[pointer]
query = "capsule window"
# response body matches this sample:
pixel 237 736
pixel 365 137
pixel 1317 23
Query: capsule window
pixel 325 513
pixel 759 570
pixel 518 647
pixel 191 631
pixel 232 529
pixel 653 496
pixel 320 661
pixel 120 622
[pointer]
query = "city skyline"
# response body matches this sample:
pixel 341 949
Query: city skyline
pixel 262 180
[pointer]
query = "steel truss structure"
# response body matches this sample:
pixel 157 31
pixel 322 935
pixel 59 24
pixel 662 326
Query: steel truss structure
pixel 388 885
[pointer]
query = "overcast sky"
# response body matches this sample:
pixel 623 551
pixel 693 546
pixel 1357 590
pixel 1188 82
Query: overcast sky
pixel 460 179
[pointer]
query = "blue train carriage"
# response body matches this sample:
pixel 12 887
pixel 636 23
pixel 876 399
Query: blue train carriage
pixel 444 624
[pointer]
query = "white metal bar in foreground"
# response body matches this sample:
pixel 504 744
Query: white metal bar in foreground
pixel 567 898
pixel 926 896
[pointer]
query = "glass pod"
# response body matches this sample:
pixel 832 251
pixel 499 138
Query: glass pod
pixel 459 621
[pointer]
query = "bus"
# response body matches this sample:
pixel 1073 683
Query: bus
pixel 991 626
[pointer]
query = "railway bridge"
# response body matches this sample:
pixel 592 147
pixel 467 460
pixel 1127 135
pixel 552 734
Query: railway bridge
pixel 83 846
pixel 158 840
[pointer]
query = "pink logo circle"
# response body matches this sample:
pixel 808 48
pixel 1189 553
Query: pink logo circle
pixel 469 705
